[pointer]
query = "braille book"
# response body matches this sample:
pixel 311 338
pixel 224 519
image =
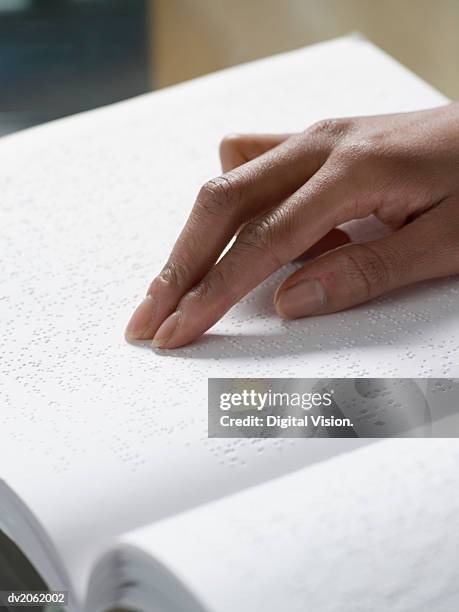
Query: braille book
pixel 109 484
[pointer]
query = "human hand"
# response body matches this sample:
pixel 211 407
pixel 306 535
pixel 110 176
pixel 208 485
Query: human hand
pixel 282 194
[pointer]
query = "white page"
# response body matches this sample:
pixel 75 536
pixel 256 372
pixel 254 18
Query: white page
pixel 106 436
pixel 359 532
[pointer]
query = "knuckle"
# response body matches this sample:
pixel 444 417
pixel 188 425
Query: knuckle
pixel 368 271
pixel 197 293
pixel 174 274
pixel 211 285
pixel 357 150
pixel 258 235
pixel 333 127
pixel 219 195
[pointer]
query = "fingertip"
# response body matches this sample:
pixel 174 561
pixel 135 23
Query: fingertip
pixel 139 325
pixel 160 300
pixel 167 330
pixel 279 310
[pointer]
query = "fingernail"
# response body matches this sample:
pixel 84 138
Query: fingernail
pixel 166 330
pixel 302 299
pixel 140 321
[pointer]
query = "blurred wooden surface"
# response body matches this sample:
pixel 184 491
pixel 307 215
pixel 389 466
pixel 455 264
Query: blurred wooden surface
pixel 193 37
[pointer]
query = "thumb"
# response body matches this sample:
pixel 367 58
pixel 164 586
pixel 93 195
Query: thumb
pixel 355 273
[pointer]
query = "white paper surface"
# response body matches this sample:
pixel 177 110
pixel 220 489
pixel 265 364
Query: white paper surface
pixel 98 436
pixel 359 532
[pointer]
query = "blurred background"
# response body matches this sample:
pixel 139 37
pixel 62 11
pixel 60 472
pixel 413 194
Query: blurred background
pixel 58 57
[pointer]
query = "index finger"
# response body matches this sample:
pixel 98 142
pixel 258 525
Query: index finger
pixel 222 205
pixel 262 247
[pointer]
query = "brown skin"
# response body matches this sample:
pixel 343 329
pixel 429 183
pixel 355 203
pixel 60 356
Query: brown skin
pixel 285 194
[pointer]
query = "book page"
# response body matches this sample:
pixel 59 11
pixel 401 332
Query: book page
pixel 352 529
pixel 99 437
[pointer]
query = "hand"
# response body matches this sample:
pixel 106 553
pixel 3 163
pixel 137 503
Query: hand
pixel 280 195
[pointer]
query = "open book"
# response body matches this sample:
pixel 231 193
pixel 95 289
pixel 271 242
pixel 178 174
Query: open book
pixel 108 481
